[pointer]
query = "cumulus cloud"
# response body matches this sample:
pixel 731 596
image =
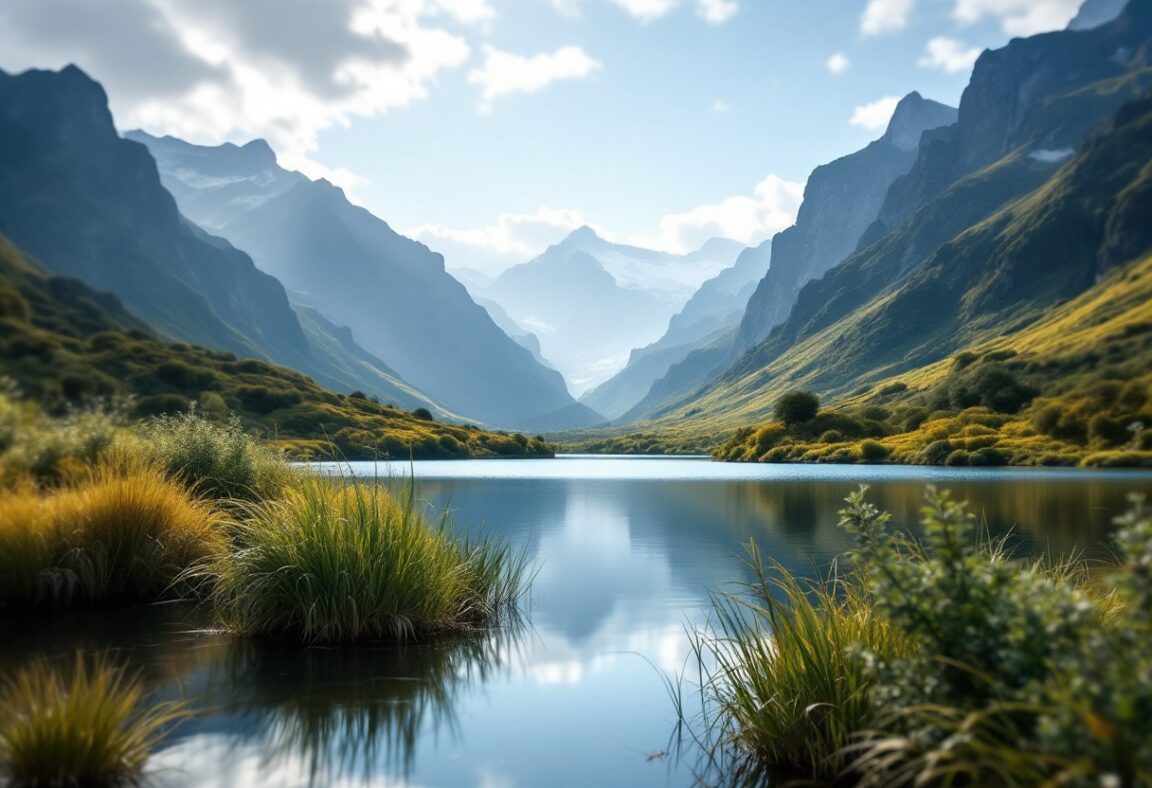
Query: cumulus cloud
pixel 717 11
pixel 838 63
pixel 949 55
pixel 504 72
pixel 749 219
pixel 885 16
pixel 216 70
pixel 646 10
pixel 1019 17
pixel 514 238
pixel 876 114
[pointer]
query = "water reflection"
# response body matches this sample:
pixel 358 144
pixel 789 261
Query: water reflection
pixel 627 551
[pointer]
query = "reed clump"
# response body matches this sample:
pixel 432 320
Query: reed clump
pixel 333 561
pixel 90 724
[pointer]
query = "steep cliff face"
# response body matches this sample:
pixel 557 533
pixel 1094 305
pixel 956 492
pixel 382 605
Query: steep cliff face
pixel 90 205
pixel 1029 94
pixel 841 200
pixel 392 292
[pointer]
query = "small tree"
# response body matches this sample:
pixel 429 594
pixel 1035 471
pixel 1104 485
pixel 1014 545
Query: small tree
pixel 423 414
pixel 797 407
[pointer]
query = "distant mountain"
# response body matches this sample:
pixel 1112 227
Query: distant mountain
pixel 995 250
pixel 713 313
pixel 392 292
pixel 591 302
pixel 90 205
pixel 521 336
pixel 841 200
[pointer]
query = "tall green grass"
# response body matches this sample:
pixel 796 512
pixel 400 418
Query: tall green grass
pixel 788 682
pixel 90 725
pixel 334 561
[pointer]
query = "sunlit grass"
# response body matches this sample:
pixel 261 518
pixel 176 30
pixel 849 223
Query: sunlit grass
pixel 117 533
pixel 88 725
pixel 787 677
pixel 336 562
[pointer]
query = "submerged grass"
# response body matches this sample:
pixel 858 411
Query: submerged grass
pixel 335 561
pixel 88 725
pixel 790 681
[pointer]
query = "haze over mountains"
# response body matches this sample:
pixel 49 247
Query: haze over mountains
pixel 392 292
pixel 591 302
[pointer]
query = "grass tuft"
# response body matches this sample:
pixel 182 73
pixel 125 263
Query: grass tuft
pixel 339 562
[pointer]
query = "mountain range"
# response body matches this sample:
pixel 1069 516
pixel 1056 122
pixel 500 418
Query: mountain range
pixel 591 302
pixel 392 292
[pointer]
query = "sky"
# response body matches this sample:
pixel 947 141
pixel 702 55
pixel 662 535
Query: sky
pixel 489 129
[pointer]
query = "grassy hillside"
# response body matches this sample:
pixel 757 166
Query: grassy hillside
pixel 64 344
pixel 1072 388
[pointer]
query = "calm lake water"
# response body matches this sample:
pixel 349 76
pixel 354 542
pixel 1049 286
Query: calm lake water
pixel 627 551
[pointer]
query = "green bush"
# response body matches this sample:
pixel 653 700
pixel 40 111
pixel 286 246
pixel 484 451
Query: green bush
pixel 873 451
pixel 797 407
pixel 217 460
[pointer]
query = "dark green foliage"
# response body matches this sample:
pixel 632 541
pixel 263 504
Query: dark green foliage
pixel 797 407
pixel 423 414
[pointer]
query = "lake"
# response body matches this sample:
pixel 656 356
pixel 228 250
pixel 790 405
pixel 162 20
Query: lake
pixel 626 550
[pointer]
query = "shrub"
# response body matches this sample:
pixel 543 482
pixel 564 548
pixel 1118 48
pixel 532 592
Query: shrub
pixel 936 452
pixel 87 726
pixel 1108 431
pixel 217 460
pixel 423 414
pixel 333 562
pixel 873 451
pixel 832 436
pixel 49 448
pixel 959 457
pixel 797 407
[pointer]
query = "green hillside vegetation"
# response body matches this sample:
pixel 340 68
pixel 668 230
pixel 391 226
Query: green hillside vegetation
pixel 64 345
pixel 1073 388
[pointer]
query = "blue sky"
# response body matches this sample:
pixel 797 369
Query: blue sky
pixel 643 118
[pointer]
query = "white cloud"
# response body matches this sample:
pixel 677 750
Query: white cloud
pixel 217 70
pixel 1019 17
pixel 720 106
pixel 514 238
pixel 504 72
pixel 717 11
pixel 748 219
pixel 949 55
pixel 646 10
pixel 875 115
pixel 885 16
pixel 838 63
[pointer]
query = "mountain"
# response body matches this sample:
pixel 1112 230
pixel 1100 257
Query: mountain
pixel 63 344
pixel 392 292
pixel 841 201
pixel 521 336
pixel 591 302
pixel 994 251
pixel 90 205
pixel 711 315
pixel 1095 13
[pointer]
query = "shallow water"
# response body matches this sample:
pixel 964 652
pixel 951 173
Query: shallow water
pixel 627 551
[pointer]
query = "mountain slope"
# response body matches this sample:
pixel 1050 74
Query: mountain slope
pixel 392 292
pixel 841 200
pixel 90 205
pixel 64 344
pixel 994 277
